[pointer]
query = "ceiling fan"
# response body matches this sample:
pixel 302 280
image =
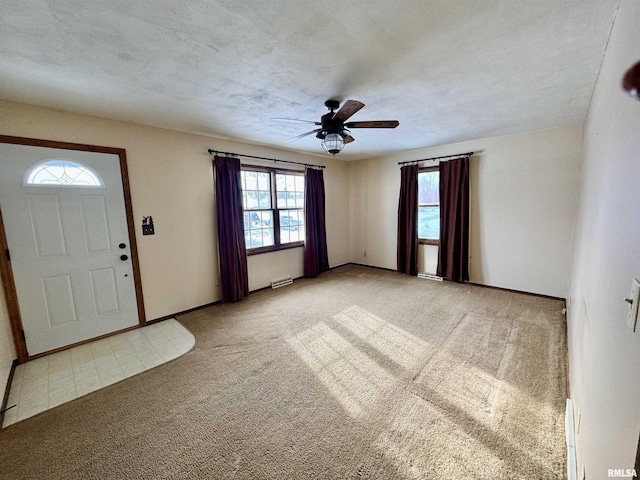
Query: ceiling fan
pixel 334 128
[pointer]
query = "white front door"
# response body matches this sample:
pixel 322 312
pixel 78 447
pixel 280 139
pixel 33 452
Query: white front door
pixel 66 227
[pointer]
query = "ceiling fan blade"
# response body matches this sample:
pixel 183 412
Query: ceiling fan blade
pixel 304 135
pixel 295 120
pixel 373 124
pixel 349 108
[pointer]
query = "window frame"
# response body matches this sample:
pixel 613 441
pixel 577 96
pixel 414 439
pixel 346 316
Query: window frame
pixel 274 208
pixel 427 241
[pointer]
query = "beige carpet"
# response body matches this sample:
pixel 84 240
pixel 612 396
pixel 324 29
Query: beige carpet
pixel 360 373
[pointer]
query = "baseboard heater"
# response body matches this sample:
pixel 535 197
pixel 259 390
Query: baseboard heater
pixel 282 282
pixel 430 276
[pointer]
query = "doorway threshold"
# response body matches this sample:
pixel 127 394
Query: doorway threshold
pixel 58 378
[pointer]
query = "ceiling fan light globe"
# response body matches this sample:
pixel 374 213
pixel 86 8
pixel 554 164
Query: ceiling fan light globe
pixel 333 143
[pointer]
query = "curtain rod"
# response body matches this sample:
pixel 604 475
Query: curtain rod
pixel 310 165
pixel 460 155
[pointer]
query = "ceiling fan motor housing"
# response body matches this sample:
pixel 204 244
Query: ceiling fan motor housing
pixel 330 125
pixel 332 104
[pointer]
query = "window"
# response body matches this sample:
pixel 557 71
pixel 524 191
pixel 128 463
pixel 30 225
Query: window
pixel 273 203
pixel 61 172
pixel 429 205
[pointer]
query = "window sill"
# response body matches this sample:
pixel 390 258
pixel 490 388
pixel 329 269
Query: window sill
pixel 427 241
pixel 287 246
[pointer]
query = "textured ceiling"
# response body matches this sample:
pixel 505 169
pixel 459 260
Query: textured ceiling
pixel 449 70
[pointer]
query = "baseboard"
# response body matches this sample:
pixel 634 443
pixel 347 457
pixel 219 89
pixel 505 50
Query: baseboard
pixel 371 266
pixel 341 265
pixel 570 432
pixel 7 391
pixel 470 283
pixel 207 305
pixel 184 312
pixel 551 297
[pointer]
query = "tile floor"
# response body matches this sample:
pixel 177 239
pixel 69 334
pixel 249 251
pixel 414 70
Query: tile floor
pixel 49 381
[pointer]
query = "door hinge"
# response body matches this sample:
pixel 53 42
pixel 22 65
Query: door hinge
pixel 8 255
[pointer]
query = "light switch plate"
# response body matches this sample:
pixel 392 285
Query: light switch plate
pixel 632 314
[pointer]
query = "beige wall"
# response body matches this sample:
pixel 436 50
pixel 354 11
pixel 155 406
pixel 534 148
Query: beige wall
pixel 604 355
pixel 523 191
pixel 171 179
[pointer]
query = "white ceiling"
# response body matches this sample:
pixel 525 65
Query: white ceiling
pixel 448 70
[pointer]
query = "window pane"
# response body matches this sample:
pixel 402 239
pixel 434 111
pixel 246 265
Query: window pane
pixel 267 237
pixel 62 172
pixel 291 226
pixel 265 199
pixel 251 180
pixel 290 191
pixel 429 223
pixel 258 229
pixel 263 181
pixel 297 235
pixel 429 188
pixel 281 190
pixel 285 235
pixel 291 183
pixel 256 192
pixel 266 218
pixel 252 200
pixel 256 238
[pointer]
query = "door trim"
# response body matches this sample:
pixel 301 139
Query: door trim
pixel 6 271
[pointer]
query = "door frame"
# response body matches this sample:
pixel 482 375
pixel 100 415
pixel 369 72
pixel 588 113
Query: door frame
pixel 6 272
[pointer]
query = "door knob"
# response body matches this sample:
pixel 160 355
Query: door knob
pixel 124 257
pixel 122 245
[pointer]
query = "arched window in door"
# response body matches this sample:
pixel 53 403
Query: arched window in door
pixel 62 172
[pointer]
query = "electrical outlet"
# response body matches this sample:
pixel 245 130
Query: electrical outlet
pixel 633 300
pixel 217 282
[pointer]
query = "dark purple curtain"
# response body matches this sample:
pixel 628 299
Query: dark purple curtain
pixel 316 260
pixel 408 220
pixel 453 253
pixel 234 278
